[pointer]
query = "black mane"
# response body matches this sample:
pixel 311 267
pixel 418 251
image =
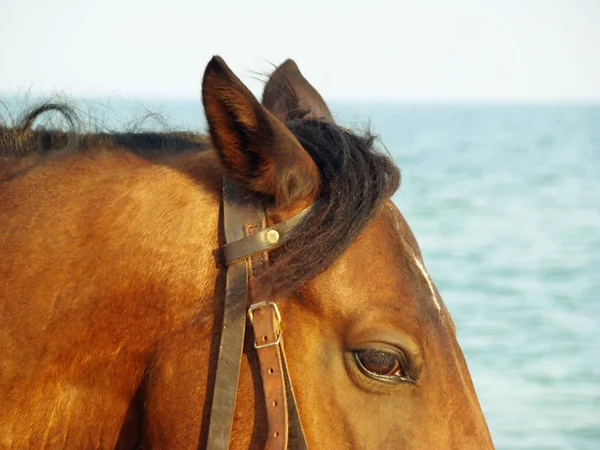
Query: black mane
pixel 23 140
pixel 357 179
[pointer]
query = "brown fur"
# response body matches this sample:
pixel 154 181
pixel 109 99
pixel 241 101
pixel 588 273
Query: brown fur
pixel 111 295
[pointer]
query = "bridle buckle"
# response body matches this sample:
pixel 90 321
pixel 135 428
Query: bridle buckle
pixel 263 305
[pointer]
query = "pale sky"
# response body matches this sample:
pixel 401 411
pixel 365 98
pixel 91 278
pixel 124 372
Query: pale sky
pixel 444 50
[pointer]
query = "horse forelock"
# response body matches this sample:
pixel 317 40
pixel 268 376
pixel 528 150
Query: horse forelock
pixel 357 178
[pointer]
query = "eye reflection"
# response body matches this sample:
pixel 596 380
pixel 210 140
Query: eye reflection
pixel 384 365
pixel 379 362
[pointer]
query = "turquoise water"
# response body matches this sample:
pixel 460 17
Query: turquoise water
pixel 505 203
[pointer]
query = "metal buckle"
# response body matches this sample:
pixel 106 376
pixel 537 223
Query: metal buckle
pixel 262 305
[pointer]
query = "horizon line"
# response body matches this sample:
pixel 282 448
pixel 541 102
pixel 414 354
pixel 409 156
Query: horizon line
pixel 489 101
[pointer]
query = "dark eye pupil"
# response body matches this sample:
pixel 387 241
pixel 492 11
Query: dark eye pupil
pixel 379 362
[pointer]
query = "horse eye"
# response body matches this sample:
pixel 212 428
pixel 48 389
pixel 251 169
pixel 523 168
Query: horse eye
pixel 379 363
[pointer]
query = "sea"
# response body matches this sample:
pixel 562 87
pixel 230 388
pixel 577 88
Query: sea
pixel 505 203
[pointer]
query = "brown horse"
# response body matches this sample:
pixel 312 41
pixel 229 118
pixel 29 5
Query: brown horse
pixel 112 285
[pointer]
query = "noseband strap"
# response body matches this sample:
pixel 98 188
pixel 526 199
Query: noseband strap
pixel 245 252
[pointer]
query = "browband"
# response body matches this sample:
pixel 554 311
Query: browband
pixel 267 239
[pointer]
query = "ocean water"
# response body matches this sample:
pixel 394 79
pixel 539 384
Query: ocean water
pixel 505 203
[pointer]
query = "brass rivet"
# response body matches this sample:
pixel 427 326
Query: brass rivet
pixel 272 236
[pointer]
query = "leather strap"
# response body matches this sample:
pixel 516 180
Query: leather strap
pixel 284 422
pixel 267 335
pixel 240 217
pixel 247 242
pixel 297 437
pixel 267 239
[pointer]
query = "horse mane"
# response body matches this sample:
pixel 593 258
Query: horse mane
pixel 22 140
pixel 357 178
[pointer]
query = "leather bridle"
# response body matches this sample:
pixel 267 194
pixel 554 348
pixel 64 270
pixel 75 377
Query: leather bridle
pixel 247 242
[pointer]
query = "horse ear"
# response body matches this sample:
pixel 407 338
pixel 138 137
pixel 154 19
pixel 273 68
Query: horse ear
pixel 289 95
pixel 257 150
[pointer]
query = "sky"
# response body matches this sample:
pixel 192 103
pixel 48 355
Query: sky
pixel 427 50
